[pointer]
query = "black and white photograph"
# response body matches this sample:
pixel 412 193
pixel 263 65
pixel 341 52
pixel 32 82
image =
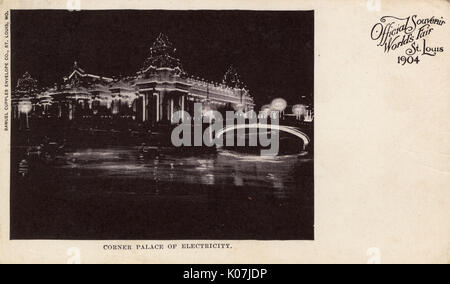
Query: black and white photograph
pixel 162 125
pixel 224 136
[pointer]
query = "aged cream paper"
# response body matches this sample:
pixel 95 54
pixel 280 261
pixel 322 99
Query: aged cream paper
pixel 382 147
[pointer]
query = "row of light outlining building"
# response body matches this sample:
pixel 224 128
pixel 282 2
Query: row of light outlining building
pixel 151 96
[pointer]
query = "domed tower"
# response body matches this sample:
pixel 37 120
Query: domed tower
pixel 232 78
pixel 162 84
pixel 162 55
pixel 27 87
pixel 24 97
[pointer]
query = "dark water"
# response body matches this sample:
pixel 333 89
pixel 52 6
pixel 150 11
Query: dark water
pixel 118 193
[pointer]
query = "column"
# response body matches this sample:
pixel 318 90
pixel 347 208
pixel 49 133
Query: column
pixel 70 110
pixel 59 110
pixel 115 109
pixel 157 106
pixel 171 108
pixel 182 108
pixel 144 118
pixel 167 108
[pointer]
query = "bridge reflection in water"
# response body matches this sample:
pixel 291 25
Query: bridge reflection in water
pixel 118 193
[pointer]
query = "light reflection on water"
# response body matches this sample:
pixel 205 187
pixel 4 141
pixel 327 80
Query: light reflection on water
pixel 213 169
pixel 131 196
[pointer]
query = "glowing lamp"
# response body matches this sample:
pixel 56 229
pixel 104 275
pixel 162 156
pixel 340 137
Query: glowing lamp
pixel 25 106
pixel 279 104
pixel 299 110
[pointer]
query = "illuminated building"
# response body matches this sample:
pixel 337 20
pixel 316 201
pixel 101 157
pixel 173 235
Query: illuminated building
pixel 151 96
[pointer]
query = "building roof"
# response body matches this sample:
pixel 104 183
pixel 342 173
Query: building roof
pixel 80 72
pixel 100 88
pixel 122 85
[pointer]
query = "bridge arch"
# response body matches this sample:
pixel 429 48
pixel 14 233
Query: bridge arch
pixel 288 129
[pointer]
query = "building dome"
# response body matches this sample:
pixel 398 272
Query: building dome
pixel 232 78
pixel 162 55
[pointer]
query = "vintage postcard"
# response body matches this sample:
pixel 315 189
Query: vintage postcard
pixel 241 132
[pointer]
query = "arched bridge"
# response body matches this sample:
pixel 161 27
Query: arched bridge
pixel 288 129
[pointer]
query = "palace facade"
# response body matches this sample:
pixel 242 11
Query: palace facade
pixel 151 96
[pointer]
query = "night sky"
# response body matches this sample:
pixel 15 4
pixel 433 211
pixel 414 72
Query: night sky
pixel 272 51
